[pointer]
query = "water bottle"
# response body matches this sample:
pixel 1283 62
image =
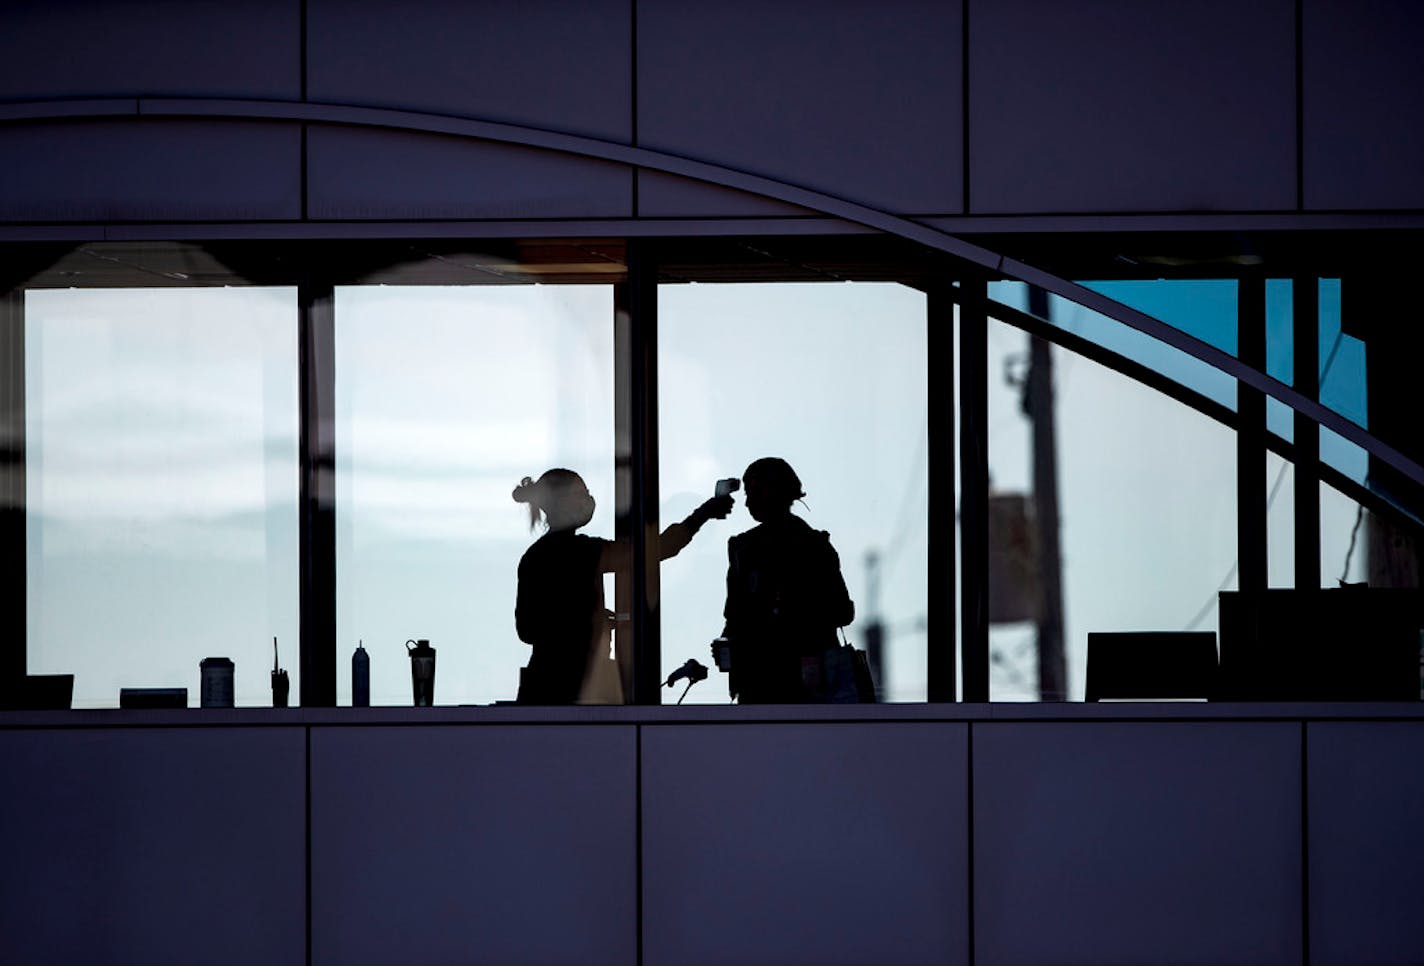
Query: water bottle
pixel 360 677
pixel 422 672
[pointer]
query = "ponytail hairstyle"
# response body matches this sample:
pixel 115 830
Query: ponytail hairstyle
pixel 525 493
pixel 553 491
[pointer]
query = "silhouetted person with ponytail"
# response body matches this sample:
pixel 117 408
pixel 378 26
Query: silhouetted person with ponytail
pixel 560 610
pixel 785 593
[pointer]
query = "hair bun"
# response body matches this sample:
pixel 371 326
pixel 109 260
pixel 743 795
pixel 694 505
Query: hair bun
pixel 524 492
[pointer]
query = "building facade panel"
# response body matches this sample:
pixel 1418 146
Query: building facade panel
pixel 1113 105
pixel 363 173
pixel 1366 847
pixel 835 96
pixel 1126 843
pixel 153 846
pixel 661 193
pixel 1363 97
pixel 150 170
pixel 111 48
pixel 543 63
pixel 500 844
pixel 793 843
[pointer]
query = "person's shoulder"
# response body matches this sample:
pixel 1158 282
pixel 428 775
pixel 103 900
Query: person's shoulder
pixel 588 549
pixel 748 538
pixel 809 533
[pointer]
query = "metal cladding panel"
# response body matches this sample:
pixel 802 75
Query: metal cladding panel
pixel 1137 843
pixel 543 63
pixel 660 193
pixel 492 844
pixel 1121 106
pixel 1366 843
pixel 153 846
pixel 859 100
pixel 107 48
pixel 803 843
pixel 1363 104
pixel 150 170
pixel 363 173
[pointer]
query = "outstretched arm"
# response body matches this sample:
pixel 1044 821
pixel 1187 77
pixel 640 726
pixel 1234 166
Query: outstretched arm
pixel 619 554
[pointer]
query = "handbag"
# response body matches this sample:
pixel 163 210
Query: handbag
pixel 845 676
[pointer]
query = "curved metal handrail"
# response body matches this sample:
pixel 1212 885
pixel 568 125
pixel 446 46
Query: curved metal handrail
pixel 981 258
pixel 1371 499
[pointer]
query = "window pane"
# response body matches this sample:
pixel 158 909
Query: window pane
pixel 1280 522
pixel 832 378
pixel 1171 301
pixel 1343 375
pixel 161 460
pixel 1353 545
pixel 1146 506
pixel 446 396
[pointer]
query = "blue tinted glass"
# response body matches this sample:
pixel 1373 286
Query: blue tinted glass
pixel 1280 342
pixel 1204 308
pixel 1342 360
pixel 1137 346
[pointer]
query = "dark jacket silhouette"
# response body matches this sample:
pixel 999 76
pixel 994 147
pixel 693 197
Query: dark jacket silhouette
pixel 785 593
pixel 559 611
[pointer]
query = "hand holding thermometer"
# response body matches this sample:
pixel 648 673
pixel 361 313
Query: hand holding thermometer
pixel 719 507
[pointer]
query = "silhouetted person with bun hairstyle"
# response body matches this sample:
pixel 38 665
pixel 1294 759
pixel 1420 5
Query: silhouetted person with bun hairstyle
pixel 785 592
pixel 560 611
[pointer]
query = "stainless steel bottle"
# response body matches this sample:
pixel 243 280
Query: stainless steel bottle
pixel 422 672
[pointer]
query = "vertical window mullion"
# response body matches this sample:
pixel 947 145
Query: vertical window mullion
pixel 941 604
pixel 13 658
pixel 1306 340
pixel 974 487
pixel 316 359
pixel 1251 437
pixel 636 374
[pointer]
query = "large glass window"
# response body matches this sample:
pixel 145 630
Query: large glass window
pixel 161 447
pixel 831 378
pixel 446 396
pixel 1146 507
pixel 161 487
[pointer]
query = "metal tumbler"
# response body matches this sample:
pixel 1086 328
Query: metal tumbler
pixel 422 672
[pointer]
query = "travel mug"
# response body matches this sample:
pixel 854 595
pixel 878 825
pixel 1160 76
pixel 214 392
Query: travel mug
pixel 422 672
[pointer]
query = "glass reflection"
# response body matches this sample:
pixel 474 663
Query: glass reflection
pixel 831 378
pixel 1146 495
pixel 161 434
pixel 446 396
pixel 1171 301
